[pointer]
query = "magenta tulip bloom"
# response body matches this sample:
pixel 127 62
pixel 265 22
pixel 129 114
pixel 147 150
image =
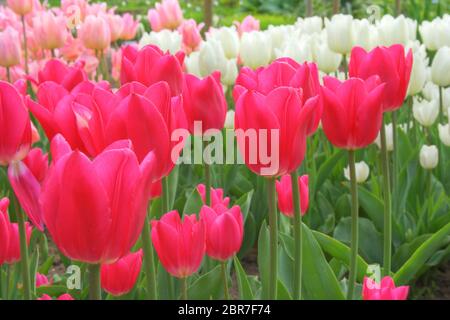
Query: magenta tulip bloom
pixel 120 277
pixel 391 65
pixel 65 296
pixel 95 209
pixel 4 229
pixel 216 196
pixel 41 280
pixel 353 111
pixel 180 245
pixel 167 14
pixel 385 290
pixel 57 71
pixel 224 231
pixel 284 191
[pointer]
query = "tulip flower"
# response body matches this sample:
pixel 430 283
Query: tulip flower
pixel 57 71
pixel 95 33
pixel 120 277
pixel 340 33
pixel 130 27
pixel 65 296
pixel 4 229
pixel 284 192
pixel 167 14
pixel 116 26
pixel 15 125
pixel 166 40
pixel 398 30
pixel 391 65
pixel 49 30
pixel 444 134
pixel 216 196
pixel 248 24
pixel 211 58
pixel 41 280
pixel 190 32
pixel 21 7
pixel 205 102
pixel 327 60
pixel 256 49
pixel 151 65
pixel 425 112
pixel 10 49
pixel 362 172
pixel 180 244
pixel 385 290
pixel 429 157
pixel 228 38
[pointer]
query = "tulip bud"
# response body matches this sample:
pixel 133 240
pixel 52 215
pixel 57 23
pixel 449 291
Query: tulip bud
pixel 21 7
pixel 389 138
pixel 256 49
pixel 444 134
pixel 211 58
pixel 398 30
pixel 216 196
pixel 192 63
pixel 116 25
pixel 249 24
pixel 418 71
pixel 9 47
pixel 166 14
pixel 365 34
pixel 49 30
pixel 95 33
pixel 130 27
pixel 436 33
pixel 327 60
pixel 190 33
pixel 230 73
pixel 362 172
pixel 440 67
pixel 299 50
pixel 340 33
pixel 228 38
pixel 120 277
pixel 429 157
pixel 385 290
pixel 425 112
pixel 285 199
pixel 224 231
pixel 41 280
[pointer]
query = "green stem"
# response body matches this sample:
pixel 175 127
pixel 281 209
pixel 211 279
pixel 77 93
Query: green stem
pixel 8 280
pixel 394 159
pixel 298 243
pixel 8 74
pixel 345 65
pixel 25 46
pixel 273 264
pixel 207 184
pixel 165 209
pixel 149 262
pixel 354 243
pixel 24 259
pixel 387 203
pixel 95 291
pixel 225 280
pixel 184 288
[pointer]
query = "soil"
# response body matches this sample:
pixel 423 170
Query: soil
pixel 434 285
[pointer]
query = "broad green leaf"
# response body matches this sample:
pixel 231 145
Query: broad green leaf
pixel 207 286
pixel 372 205
pixel 421 255
pixel 282 292
pixel 53 290
pixel 245 290
pixel 244 202
pixel 194 203
pixel 264 259
pixel 327 167
pixel 340 251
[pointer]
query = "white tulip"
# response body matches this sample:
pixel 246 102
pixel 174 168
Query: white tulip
pixel 419 68
pixel 430 91
pixel 310 25
pixel 429 157
pixel 230 73
pixel 389 138
pixel 211 58
pixel 229 120
pixel 365 34
pixel 436 34
pixel 298 49
pixel 444 133
pixel 166 40
pixel 440 68
pixel 192 64
pixel 397 30
pixel 278 36
pixel 228 38
pixel 256 49
pixel 361 171
pixel 340 33
pixel 425 112
pixel 327 60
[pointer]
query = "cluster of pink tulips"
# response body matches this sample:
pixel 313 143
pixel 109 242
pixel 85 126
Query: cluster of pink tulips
pixel 87 127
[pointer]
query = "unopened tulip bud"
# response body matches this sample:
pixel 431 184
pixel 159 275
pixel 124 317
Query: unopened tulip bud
pixel 95 33
pixel 256 49
pixel 444 134
pixel 389 138
pixel 440 67
pixel 9 47
pixel 425 112
pixel 429 157
pixel 21 7
pixel 340 33
pixel 362 172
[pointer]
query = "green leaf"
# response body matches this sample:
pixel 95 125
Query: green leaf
pixel 207 286
pixel 421 255
pixel 264 259
pixel 340 251
pixel 244 202
pixel 194 203
pixel 173 185
pixel 327 167
pixel 45 267
pixel 53 291
pixel 245 290
pixel 373 207
pixel 282 292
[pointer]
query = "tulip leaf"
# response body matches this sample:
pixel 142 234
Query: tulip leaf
pixel 282 291
pixel 173 184
pixel 193 203
pixel 264 259
pixel 53 291
pixel 245 290
pixel 327 167
pixel 406 273
pixel 207 286
pixel 244 203
pixel 372 205
pixel 340 251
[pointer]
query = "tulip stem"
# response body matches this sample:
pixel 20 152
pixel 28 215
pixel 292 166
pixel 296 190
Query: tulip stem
pixel 24 259
pixel 354 244
pixel 8 74
pixel 207 184
pixel 345 65
pixel 298 243
pixel 387 203
pixel 394 158
pixel 184 288
pixel 25 47
pixel 225 280
pixel 149 262
pixel 165 199
pixel 95 291
pixel 273 264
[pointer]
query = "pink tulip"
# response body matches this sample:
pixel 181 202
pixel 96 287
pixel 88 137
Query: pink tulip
pixel 49 30
pixel 204 102
pixel 95 33
pixel 65 296
pixel 224 231
pixel 120 277
pixel 41 280
pixel 249 24
pixel 284 191
pixel 150 65
pixel 57 71
pixel 216 196
pixel 385 290
pixel 15 125
pixel 106 224
pixel 180 245
pixel 72 49
pixel 10 49
pixel 130 27
pixel 166 15
pixel 353 111
pixel 21 7
pixel 190 32
pixel 116 26
pixel 391 65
